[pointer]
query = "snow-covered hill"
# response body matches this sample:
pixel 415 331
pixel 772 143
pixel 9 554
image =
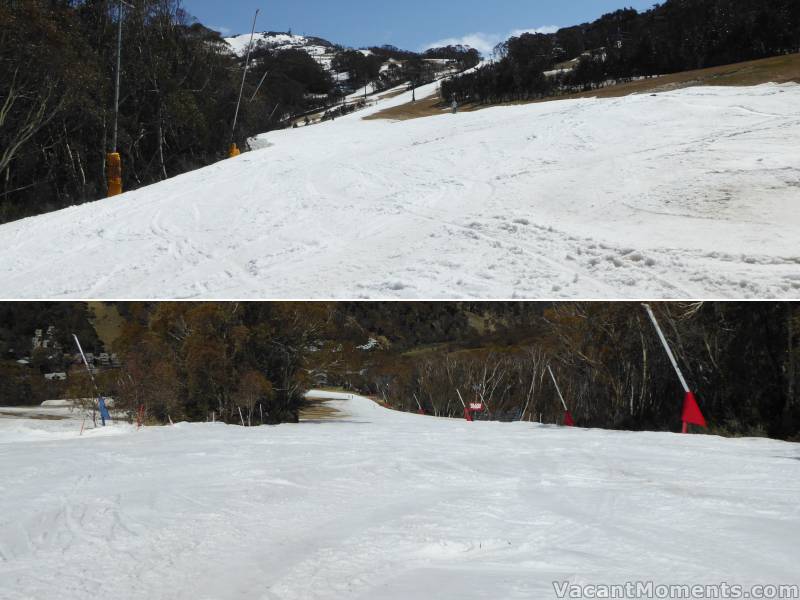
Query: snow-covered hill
pixel 386 505
pixel 279 41
pixel 685 194
pixel 319 49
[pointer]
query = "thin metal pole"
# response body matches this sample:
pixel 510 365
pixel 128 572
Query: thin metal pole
pixel 553 377
pixel 667 348
pixel 86 362
pixel 119 68
pixel 460 398
pixel 91 377
pixel 260 83
pixel 244 75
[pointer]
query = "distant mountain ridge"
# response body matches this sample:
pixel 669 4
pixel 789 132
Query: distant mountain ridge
pixel 279 40
pixel 342 62
pixel 321 50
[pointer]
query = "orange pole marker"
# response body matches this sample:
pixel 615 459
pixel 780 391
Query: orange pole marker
pixel 114 174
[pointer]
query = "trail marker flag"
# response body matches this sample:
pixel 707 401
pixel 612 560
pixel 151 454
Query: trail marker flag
pixel 568 420
pixel 467 410
pixel 104 415
pixel 421 410
pixel 691 411
pixel 472 408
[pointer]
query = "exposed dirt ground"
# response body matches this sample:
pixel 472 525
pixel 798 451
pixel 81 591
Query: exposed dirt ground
pixel 318 410
pixel 778 69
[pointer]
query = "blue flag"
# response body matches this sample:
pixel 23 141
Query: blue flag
pixel 103 411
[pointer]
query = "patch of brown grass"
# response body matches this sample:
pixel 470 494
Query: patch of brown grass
pixel 778 69
pixel 318 410
pixel 392 94
pixel 35 416
pixel 427 107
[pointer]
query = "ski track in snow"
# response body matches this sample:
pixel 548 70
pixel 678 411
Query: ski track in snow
pixel 385 505
pixel 687 194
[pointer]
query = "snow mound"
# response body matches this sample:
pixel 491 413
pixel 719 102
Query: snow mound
pixel 53 422
pixel 59 403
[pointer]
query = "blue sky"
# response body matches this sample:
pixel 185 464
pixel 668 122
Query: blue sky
pixel 410 24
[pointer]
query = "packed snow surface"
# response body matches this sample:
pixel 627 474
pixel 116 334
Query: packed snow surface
pixel 385 505
pixel 692 193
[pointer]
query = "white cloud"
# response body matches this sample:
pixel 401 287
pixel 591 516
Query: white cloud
pixel 545 29
pixel 485 42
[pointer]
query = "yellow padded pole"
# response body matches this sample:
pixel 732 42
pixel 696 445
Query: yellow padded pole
pixel 114 174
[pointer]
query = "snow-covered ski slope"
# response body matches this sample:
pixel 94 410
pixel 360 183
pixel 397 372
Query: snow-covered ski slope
pixel 390 506
pixel 686 194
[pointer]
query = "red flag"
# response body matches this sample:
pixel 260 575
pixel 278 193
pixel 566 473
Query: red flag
pixel 691 411
pixel 568 420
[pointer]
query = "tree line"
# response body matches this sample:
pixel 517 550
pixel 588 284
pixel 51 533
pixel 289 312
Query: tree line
pixel 740 358
pixel 677 35
pixel 194 360
pixel 387 66
pixel 179 87
pixel 57 67
pixel 245 363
